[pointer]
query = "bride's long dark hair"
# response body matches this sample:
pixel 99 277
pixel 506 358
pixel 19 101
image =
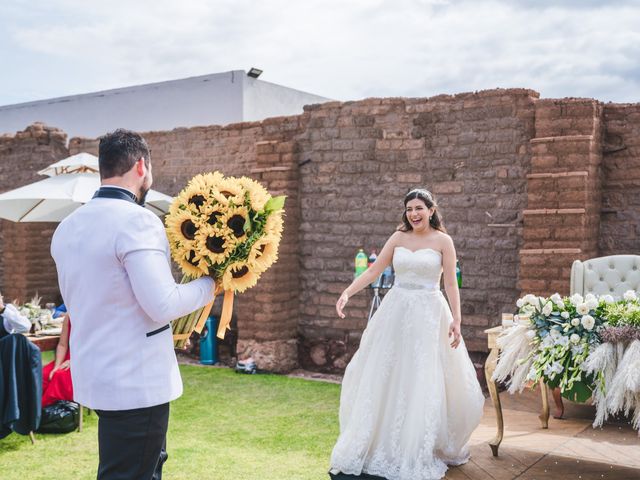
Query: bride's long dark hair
pixel 427 198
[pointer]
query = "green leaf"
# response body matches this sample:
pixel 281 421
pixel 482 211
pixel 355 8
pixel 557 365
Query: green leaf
pixel 275 203
pixel 579 392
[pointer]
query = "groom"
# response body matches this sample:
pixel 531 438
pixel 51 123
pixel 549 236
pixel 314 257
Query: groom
pixel 114 273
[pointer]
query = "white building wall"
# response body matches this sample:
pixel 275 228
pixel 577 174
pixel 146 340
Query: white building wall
pixel 263 100
pixel 217 99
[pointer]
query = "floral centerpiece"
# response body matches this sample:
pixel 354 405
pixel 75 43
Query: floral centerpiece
pixel 563 332
pixel 226 227
pixel 40 317
pixel 585 346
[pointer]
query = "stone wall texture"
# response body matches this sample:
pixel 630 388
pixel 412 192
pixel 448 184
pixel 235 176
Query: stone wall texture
pixel 525 186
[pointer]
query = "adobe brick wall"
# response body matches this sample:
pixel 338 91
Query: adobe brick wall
pixel 620 220
pixel 525 187
pixel 471 150
pixel 26 267
pixel 562 219
pixel 267 314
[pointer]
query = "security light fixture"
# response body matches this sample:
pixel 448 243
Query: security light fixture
pixel 254 72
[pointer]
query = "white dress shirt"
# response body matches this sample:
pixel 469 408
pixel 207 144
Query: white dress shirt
pixel 114 273
pixel 13 321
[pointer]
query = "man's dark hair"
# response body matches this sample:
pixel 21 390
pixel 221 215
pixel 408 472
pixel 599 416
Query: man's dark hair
pixel 119 151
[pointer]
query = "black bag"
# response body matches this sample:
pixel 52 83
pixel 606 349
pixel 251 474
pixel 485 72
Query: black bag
pixel 61 417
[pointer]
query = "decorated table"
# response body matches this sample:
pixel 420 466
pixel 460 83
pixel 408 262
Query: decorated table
pixel 586 347
pixel 44 342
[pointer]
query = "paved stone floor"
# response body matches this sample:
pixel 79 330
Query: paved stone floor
pixel 569 450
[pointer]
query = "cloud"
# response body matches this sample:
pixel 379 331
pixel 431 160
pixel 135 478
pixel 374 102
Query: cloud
pixel 344 50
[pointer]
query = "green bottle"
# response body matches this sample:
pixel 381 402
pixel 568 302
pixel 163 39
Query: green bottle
pixel 361 262
pixel 458 274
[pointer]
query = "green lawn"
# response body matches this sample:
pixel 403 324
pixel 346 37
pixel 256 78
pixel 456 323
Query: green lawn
pixel 225 426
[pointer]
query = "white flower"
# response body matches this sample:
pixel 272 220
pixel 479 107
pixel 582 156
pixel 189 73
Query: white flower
pixel 557 300
pixel 520 303
pixel 582 308
pixel 530 334
pixel 630 296
pixel 555 333
pixel 532 375
pixel 576 299
pixel 588 322
pixel 547 342
pixel 562 340
pixel 564 315
pixel 575 322
pixel 607 299
pixel 575 338
pixel 577 349
pixel 555 367
pixel 591 301
pixel 530 299
pixel 547 309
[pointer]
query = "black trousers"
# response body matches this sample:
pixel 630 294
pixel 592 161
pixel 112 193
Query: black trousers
pixel 132 443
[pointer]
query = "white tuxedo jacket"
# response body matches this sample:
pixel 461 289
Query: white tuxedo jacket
pixel 112 258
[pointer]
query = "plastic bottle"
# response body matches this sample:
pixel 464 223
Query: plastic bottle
pixel 458 274
pixel 372 258
pixel 387 277
pixel 361 262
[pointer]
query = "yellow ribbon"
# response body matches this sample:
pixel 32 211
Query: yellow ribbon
pixel 227 310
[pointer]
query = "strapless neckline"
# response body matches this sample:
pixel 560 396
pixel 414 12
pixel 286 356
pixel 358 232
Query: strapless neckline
pixel 418 250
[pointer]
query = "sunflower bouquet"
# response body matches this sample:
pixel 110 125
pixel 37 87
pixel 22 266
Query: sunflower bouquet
pixel 226 227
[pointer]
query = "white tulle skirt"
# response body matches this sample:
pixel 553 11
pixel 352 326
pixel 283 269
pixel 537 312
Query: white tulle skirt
pixel 409 401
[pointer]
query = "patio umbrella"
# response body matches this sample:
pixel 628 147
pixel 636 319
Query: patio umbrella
pixel 82 162
pixel 52 199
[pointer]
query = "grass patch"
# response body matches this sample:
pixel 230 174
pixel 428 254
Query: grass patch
pixel 225 426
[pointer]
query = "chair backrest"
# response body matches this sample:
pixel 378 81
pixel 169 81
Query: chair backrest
pixel 611 275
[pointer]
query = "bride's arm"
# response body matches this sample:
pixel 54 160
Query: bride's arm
pixel 451 287
pixel 370 275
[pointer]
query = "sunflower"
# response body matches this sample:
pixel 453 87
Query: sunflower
pixel 188 258
pixel 212 214
pixel 239 276
pixel 274 224
pixel 229 192
pixel 258 195
pixel 215 243
pixel 181 226
pixel 196 196
pixel 263 253
pixel 237 218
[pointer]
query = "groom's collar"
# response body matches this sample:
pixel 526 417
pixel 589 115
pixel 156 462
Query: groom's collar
pixel 113 191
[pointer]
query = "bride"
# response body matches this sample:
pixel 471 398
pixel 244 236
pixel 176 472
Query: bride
pixel 410 396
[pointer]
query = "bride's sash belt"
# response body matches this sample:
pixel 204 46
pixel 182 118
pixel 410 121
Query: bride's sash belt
pixel 407 285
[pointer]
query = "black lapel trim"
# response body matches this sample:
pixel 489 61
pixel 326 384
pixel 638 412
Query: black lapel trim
pixel 161 329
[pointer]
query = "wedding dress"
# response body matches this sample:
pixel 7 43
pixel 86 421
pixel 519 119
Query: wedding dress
pixel 409 401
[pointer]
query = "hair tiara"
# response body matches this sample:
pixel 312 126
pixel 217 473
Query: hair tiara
pixel 422 191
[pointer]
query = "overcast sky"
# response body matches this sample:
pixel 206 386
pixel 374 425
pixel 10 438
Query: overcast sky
pixel 342 49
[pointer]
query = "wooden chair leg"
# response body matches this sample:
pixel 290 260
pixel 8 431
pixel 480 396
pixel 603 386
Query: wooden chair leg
pixel 32 437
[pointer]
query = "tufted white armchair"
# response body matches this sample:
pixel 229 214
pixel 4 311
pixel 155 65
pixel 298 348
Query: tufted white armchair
pixel 611 275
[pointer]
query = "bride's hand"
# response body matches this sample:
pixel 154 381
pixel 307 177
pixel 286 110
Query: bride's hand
pixel 454 331
pixel 342 301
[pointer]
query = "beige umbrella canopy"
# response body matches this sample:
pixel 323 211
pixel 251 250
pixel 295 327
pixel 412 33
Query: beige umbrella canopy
pixel 71 183
pixel 82 162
